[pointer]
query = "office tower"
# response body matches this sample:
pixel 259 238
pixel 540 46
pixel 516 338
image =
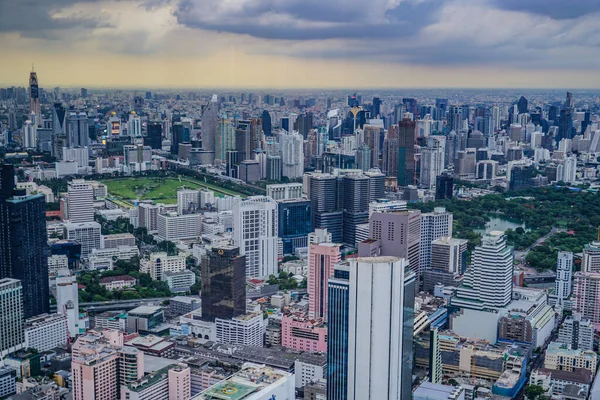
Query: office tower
pixel 137 158
pixel 59 119
pixel 181 134
pixel 34 97
pixel 255 232
pixel 521 177
pixel 29 134
pixel 223 283
pixel 154 135
pixel 522 105
pixel 225 139
pixel 80 201
pixel 372 136
pixel 78 134
pixel 366 354
pixel 285 191
pixel 586 293
pixel 209 124
pixel 432 164
pixel 305 124
pixel 363 157
pixel 67 301
pixel 400 235
pixel 449 255
pixel 23 243
pixel 295 223
pixel 187 201
pixel 12 336
pixel 291 149
pixel 390 152
pixel 84 92
pixel 266 123
pixel 564 274
pixel 435 225
pixel 134 125
pixel 326 197
pixel 410 105
pixel 376 112
pixel 243 143
pixel 488 283
pixel 406 153
pixel 101 365
pixel 322 257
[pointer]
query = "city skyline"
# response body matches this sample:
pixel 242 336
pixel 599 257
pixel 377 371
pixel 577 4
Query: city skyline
pixel 417 44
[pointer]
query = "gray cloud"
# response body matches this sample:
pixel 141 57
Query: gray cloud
pixel 309 19
pixel 556 9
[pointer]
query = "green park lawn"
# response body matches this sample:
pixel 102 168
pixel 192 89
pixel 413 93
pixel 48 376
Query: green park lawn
pixel 161 190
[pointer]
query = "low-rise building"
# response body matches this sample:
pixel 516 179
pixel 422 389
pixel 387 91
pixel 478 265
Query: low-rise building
pixel 119 282
pixel 184 304
pixel 171 382
pixel 560 356
pixel 433 391
pixel 179 282
pixel 145 319
pixel 57 262
pixel 115 320
pixel 555 381
pixel 117 239
pixel 46 331
pixel 298 332
pixel 153 345
pixel 8 379
pixel 176 227
pixel 253 382
pixel 577 332
pixel 158 263
pixel 310 367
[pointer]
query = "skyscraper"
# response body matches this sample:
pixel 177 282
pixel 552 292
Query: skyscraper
pixel 564 275
pixel 390 152
pixel 255 232
pixel 80 204
pixel 78 134
pixel 326 198
pixel 266 123
pixel 12 336
pixel 154 135
pixel 406 153
pixel 295 223
pixel 488 283
pixel 292 154
pixel 225 139
pixel 366 360
pixel 223 283
pixel 400 235
pixel 34 98
pixel 522 105
pixel 209 125
pixel 372 135
pixel 322 257
pixel 444 187
pixel 435 225
pixel 23 243
pixel 432 163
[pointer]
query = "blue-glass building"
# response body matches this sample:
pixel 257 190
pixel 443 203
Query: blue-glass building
pixel 337 334
pixel 23 243
pixel 295 223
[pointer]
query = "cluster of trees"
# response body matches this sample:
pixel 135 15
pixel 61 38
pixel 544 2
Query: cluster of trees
pixel 540 209
pixel 286 281
pixel 145 287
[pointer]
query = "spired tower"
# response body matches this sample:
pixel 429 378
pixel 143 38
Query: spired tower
pixel 34 97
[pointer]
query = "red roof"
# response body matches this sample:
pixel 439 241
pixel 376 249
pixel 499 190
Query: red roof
pixel 255 281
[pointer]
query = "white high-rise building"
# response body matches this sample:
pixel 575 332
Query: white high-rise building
pixel 134 125
pixel 376 315
pixel 591 257
pixel 569 170
pixel 80 201
pixel 174 227
pixel 564 276
pixel 432 165
pixel 577 332
pixel 435 225
pixel 78 154
pixel 187 200
pixel 291 147
pixel 12 336
pixel 87 234
pixel 67 301
pixel 29 135
pixel 488 283
pixel 255 232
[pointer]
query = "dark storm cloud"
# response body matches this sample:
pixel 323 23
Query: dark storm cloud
pixel 557 9
pixel 309 19
pixel 34 18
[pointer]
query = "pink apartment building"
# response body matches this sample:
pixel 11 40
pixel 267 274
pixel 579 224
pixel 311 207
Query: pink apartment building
pixel 322 258
pixel 303 334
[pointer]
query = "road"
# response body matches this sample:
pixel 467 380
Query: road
pixel 99 306
pixel 521 255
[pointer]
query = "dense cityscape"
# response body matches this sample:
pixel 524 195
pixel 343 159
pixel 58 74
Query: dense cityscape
pixel 433 244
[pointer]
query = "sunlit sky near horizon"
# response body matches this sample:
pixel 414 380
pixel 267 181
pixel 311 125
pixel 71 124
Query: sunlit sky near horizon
pixel 302 43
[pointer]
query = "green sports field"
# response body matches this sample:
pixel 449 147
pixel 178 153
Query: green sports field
pixel 161 190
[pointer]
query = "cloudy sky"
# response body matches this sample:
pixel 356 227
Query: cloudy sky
pixel 302 43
